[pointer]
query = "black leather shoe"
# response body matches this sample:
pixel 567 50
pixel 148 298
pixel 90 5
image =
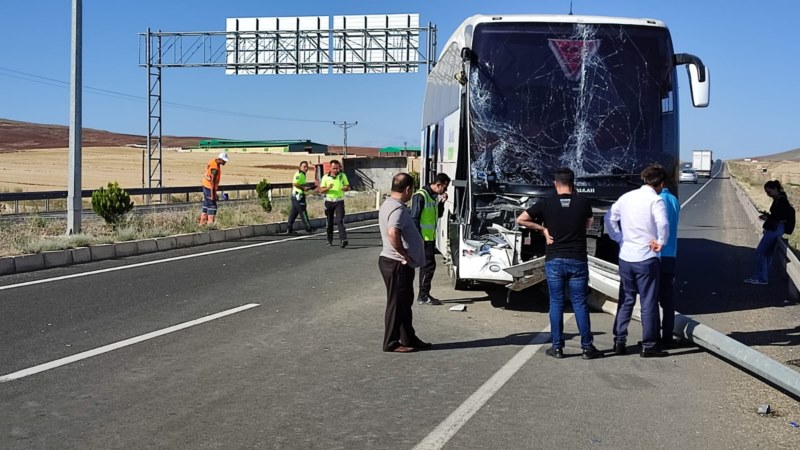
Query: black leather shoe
pixel 344 244
pixel 428 300
pixel 310 230
pixel 653 353
pixel 329 244
pixel 620 348
pixel 671 344
pixel 591 353
pixel 557 353
pixel 290 232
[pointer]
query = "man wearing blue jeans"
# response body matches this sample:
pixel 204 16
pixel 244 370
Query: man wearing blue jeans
pixel 565 217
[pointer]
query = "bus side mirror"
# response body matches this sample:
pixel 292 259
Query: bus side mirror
pixel 699 89
pixel 698 78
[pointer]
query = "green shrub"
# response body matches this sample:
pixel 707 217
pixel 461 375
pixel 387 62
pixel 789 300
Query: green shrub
pixel 415 176
pixel 112 203
pixel 263 189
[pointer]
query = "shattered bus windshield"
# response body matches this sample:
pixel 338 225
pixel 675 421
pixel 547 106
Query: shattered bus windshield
pixel 596 98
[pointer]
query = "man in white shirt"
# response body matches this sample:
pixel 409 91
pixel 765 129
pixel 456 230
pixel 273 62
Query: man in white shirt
pixel 638 223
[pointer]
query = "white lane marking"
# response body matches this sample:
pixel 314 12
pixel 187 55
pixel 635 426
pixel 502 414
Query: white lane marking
pixel 439 437
pixel 160 261
pixel 703 187
pixel 117 345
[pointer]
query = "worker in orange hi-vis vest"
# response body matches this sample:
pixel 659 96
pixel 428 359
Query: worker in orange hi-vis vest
pixel 211 179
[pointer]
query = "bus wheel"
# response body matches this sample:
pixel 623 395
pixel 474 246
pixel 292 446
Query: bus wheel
pixel 457 283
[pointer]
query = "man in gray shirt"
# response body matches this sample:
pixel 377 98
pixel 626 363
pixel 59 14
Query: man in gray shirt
pixel 403 251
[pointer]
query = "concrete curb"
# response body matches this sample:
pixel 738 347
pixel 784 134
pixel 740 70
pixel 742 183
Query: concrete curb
pixel 27 263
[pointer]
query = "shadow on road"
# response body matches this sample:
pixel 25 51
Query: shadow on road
pixel 710 279
pixel 788 337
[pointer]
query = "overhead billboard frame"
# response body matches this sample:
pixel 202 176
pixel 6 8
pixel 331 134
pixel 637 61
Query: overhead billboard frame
pixel 387 43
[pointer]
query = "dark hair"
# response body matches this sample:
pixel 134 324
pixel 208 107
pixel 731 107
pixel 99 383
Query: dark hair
pixel 301 164
pixel 774 184
pixel 441 178
pixel 565 177
pixel 401 182
pixel 335 161
pixel 654 175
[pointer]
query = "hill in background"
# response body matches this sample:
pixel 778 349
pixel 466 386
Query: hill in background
pixel 16 136
pixel 789 155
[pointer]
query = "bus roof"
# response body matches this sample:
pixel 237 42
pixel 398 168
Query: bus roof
pixel 460 34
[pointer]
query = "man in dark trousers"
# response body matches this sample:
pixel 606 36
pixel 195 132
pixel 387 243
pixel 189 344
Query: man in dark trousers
pixel 402 252
pixel 427 206
pixel 565 216
pixel 334 184
pixel 669 253
pixel 299 189
pixel 638 222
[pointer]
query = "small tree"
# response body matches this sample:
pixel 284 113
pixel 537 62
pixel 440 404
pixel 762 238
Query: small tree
pixel 415 176
pixel 112 203
pixel 263 189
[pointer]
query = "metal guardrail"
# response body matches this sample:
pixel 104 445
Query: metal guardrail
pixel 16 197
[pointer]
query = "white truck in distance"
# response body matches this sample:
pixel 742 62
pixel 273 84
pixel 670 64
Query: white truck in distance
pixel 702 162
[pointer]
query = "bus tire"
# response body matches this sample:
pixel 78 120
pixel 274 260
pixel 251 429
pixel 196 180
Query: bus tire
pixel 457 283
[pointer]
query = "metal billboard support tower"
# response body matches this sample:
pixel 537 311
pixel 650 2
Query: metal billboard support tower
pixel 345 125
pixel 154 129
pixel 74 197
pixel 281 46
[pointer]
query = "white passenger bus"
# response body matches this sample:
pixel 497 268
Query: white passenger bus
pixel 513 98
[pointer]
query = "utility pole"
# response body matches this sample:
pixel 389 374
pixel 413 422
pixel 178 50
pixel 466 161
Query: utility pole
pixel 345 125
pixel 74 199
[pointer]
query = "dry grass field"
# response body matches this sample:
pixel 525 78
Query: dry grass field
pixel 35 159
pixel 752 176
pixel 46 169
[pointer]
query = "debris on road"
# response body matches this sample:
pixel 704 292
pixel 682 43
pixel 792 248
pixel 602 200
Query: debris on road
pixel 459 307
pixel 764 409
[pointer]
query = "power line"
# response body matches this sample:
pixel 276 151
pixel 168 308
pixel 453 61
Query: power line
pixel 345 125
pixel 123 96
pixel 33 78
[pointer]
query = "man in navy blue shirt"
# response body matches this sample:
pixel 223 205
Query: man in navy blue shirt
pixel 565 217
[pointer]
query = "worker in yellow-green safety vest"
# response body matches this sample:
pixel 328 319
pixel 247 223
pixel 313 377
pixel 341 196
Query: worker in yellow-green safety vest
pixel 427 206
pixel 299 189
pixel 333 185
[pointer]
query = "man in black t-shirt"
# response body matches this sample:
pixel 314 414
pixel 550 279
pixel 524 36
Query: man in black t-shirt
pixel 565 217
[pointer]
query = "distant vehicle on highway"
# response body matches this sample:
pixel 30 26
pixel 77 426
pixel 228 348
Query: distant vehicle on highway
pixel 702 160
pixel 688 176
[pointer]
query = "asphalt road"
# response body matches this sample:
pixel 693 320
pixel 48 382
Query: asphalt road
pixel 303 368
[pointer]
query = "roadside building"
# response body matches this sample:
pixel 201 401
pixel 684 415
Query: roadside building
pixel 233 146
pixel 399 151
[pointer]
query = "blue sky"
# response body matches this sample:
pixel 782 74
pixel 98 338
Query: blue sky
pixel 750 48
